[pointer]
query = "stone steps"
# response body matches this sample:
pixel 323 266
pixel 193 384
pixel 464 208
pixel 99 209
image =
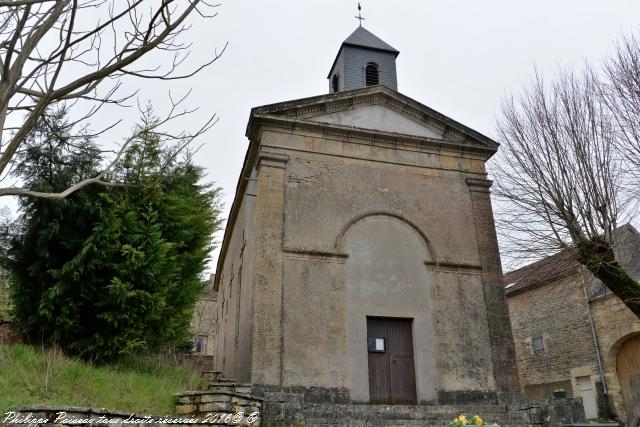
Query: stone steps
pixel 212 375
pixel 231 387
pixel 202 403
pixel 367 415
pixel 373 423
pixel 297 407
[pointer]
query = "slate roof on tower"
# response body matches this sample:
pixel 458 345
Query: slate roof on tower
pixel 364 38
pixel 363 60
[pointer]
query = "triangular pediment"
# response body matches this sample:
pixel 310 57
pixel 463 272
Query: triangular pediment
pixel 377 110
pixel 380 118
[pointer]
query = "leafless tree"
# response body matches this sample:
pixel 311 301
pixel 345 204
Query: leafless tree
pixel 621 91
pixel 77 53
pixel 560 180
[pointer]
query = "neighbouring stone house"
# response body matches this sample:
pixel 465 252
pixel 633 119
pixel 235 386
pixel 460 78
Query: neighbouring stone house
pixel 360 262
pixel 203 323
pixel 572 333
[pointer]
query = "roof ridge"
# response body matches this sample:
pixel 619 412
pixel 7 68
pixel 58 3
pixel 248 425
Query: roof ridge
pixel 365 38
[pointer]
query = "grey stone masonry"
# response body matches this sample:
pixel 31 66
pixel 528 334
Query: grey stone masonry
pixel 36 416
pixel 544 413
pixel 222 403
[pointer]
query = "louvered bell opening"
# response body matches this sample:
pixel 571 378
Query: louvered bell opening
pixel 372 74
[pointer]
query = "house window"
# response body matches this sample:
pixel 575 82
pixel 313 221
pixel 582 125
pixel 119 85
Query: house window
pixel 372 74
pixel 201 344
pixel 538 344
pixel 335 82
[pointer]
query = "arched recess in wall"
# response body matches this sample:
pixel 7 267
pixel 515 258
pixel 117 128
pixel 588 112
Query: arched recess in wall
pixel 624 360
pixel 340 241
pixel 386 276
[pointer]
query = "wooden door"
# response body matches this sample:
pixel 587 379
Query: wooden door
pixel 628 365
pixel 391 367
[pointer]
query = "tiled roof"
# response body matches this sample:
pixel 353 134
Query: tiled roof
pixel 548 268
pixel 365 38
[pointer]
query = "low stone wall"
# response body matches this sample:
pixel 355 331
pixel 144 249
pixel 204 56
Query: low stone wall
pixel 197 403
pixel 74 416
pixel 36 416
pixel 282 410
pixel 313 406
pixel 542 413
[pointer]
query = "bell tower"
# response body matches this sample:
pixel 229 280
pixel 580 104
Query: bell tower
pixel 363 60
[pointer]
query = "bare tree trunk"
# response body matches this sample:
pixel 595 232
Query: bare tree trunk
pixel 599 258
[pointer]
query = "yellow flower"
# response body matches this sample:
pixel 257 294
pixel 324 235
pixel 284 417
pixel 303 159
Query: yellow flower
pixel 462 419
pixel 477 421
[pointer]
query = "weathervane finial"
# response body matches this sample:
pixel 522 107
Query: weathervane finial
pixel 360 17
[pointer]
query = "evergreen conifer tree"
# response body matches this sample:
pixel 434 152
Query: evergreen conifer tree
pixel 110 271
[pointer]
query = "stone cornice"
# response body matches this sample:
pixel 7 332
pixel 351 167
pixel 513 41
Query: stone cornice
pixel 447 267
pixel 368 136
pixel 479 185
pixel 324 104
pixel 315 254
pixel 274 160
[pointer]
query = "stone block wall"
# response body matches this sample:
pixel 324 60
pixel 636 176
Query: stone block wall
pixel 614 324
pixel 313 184
pixel 312 406
pixel 543 413
pixel 326 191
pixel 203 320
pixel 222 403
pixel 36 416
pixel 235 288
pixel 558 313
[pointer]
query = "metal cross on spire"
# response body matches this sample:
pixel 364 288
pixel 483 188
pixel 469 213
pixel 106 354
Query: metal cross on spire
pixel 360 17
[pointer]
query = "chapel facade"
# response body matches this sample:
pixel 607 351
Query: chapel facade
pixel 360 260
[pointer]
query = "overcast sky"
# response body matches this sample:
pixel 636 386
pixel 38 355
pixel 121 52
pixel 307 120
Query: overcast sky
pixel 458 57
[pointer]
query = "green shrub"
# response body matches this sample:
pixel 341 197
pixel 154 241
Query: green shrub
pixel 110 271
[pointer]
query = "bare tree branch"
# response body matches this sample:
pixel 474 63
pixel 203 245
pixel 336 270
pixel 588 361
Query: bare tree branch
pixel 4 3
pixel 560 180
pixel 621 92
pixel 55 52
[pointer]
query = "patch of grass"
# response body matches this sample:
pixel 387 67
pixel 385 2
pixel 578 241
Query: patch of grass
pixel 39 376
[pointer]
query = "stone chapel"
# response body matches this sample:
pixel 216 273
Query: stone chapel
pixel 360 262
